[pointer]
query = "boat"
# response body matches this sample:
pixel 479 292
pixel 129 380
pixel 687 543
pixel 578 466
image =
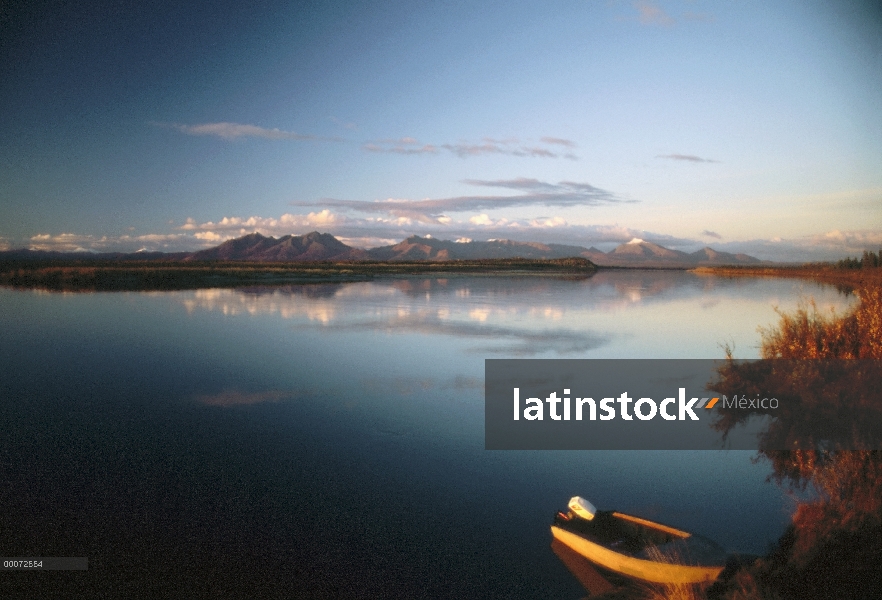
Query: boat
pixel 629 547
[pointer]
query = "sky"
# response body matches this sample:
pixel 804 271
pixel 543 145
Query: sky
pixel 748 126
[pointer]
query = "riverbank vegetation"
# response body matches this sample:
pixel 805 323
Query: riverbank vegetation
pixel 109 275
pixel 847 274
pixel 833 547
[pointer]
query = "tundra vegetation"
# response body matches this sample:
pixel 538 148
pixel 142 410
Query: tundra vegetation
pixel 112 275
pixel 826 365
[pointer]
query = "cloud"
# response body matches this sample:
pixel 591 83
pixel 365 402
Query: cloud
pixel 487 146
pixel 286 222
pixel 650 13
pixel 373 229
pixel 227 228
pixel 65 242
pixel 502 339
pixel 559 142
pixel 400 148
pixel 232 131
pixel 548 222
pixel 380 230
pixel 72 242
pixel 533 192
pixel 209 236
pixel 687 157
pixel 465 149
pixel 858 240
pixel 482 219
pixel 519 183
pixel 829 246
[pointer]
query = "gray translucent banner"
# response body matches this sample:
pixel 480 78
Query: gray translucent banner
pixel 622 404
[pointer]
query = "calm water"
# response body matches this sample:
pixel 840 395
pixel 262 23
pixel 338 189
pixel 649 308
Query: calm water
pixel 327 440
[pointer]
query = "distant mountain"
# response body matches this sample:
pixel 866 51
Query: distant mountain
pixel 317 246
pixel 419 248
pixel 708 255
pixel 638 252
pixel 313 246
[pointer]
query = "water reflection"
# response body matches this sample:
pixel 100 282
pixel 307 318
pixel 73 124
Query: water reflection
pixel 612 314
pixel 311 440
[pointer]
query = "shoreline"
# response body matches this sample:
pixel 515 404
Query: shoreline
pixel 160 275
pixel 108 275
pixel 849 278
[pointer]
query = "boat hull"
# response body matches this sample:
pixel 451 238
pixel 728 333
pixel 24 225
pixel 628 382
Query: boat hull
pixel 632 567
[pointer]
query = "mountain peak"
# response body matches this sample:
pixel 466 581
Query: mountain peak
pixel 313 246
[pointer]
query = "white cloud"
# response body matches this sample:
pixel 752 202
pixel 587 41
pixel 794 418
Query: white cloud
pixel 650 13
pixel 209 236
pixel 73 242
pixel 548 222
pixel 687 158
pixel 854 240
pixel 531 192
pixel 464 149
pixel 559 141
pixel 401 148
pixel 829 246
pixel 65 242
pixel 368 241
pixel 268 225
pixel 481 219
pixel 232 131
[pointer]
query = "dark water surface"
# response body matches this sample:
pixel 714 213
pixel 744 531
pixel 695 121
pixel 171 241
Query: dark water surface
pixel 327 440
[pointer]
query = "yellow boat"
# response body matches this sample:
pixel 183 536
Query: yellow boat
pixel 637 548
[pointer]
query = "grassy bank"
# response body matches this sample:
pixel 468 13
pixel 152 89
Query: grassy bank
pixel 848 278
pixel 102 275
pixel 833 547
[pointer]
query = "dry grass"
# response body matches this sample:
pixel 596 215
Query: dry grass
pixel 671 591
pixel 833 548
pixel 675 591
pixel 810 334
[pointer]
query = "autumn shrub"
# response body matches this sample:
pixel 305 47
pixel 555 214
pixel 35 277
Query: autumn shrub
pixel 833 547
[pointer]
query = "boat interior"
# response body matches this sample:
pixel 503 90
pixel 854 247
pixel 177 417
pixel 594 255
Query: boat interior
pixel 619 531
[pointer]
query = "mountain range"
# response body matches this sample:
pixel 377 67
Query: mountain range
pixel 322 246
pixel 317 246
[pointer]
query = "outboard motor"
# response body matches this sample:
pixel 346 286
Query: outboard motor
pixel 582 508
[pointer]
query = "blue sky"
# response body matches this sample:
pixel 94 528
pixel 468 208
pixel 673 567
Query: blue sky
pixel 744 125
